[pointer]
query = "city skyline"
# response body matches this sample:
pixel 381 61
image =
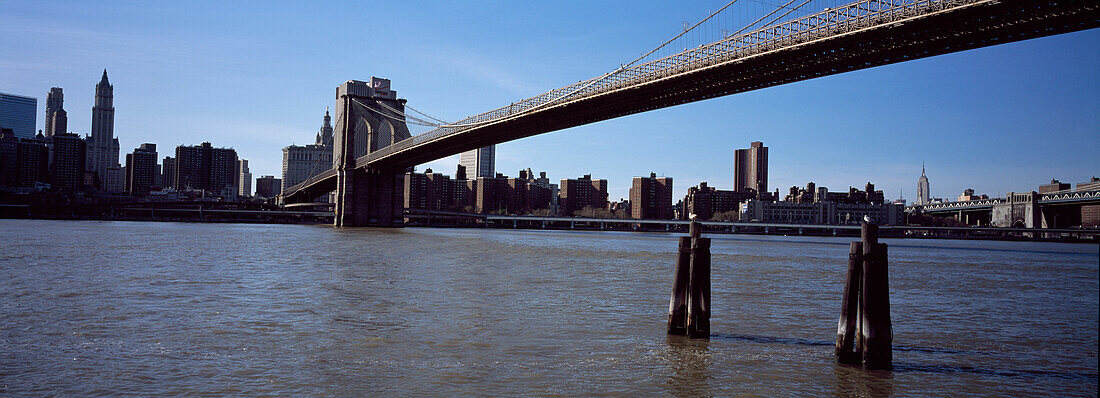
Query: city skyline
pixel 999 119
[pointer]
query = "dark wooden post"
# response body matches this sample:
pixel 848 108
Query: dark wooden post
pixel 875 332
pixel 698 324
pixel 695 230
pixel 678 302
pixel 846 349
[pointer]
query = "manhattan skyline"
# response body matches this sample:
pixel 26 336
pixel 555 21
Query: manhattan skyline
pixel 998 119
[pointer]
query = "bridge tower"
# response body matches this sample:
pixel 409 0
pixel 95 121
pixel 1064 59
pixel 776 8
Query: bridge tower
pixel 369 117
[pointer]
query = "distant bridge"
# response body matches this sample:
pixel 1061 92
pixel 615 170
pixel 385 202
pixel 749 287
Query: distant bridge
pixel 854 36
pixel 1026 210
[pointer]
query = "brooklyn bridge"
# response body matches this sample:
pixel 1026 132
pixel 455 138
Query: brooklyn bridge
pixel 788 44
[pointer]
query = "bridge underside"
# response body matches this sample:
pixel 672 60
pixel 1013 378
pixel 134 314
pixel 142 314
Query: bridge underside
pixel 975 26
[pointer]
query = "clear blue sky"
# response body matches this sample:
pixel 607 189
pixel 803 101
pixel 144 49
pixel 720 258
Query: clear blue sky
pixel 257 76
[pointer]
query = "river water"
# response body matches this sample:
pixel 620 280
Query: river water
pixel 110 308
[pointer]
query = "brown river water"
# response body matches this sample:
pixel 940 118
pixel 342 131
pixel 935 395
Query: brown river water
pixel 142 308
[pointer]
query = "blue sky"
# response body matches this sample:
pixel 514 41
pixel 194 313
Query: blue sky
pixel 257 76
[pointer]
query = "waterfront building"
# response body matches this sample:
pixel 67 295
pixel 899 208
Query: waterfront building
pixel 969 195
pixel 24 163
pixel 1092 184
pixel 244 185
pixel 102 145
pixel 923 195
pixel 158 177
pixel 491 194
pixel 439 191
pixel 57 120
pixel 302 162
pixel 651 198
pixel 69 155
pixel 34 163
pixel 833 213
pixel 203 167
pixel 479 162
pixel 116 180
pixel 1054 186
pixel 705 202
pixel 414 193
pixel 268 187
pixel 9 158
pixel 576 194
pixel 816 205
pixel 168 172
pixel 17 113
pixel 463 191
pixel 750 168
pixel 430 191
pixel 141 169
pixel 814 194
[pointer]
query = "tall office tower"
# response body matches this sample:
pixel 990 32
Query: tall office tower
pixel 69 155
pixel 18 114
pixel 244 186
pixel 102 144
pixel 479 162
pixel 141 165
pixel 651 198
pixel 56 119
pixel 750 168
pixel 922 188
pixel 204 167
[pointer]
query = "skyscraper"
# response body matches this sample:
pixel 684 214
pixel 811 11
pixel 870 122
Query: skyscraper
pixel 922 188
pixel 244 186
pixel 56 119
pixel 750 168
pixel 479 162
pixel 102 144
pixel 18 114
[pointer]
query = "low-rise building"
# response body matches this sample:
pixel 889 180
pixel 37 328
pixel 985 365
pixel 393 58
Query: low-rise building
pixel 706 201
pixel 831 213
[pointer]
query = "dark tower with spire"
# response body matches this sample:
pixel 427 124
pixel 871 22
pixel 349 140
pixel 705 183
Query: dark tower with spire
pixel 102 144
pixel 324 137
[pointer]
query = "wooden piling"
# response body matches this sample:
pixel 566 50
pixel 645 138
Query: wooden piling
pixel 678 302
pixel 846 349
pixel 875 332
pixel 698 324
